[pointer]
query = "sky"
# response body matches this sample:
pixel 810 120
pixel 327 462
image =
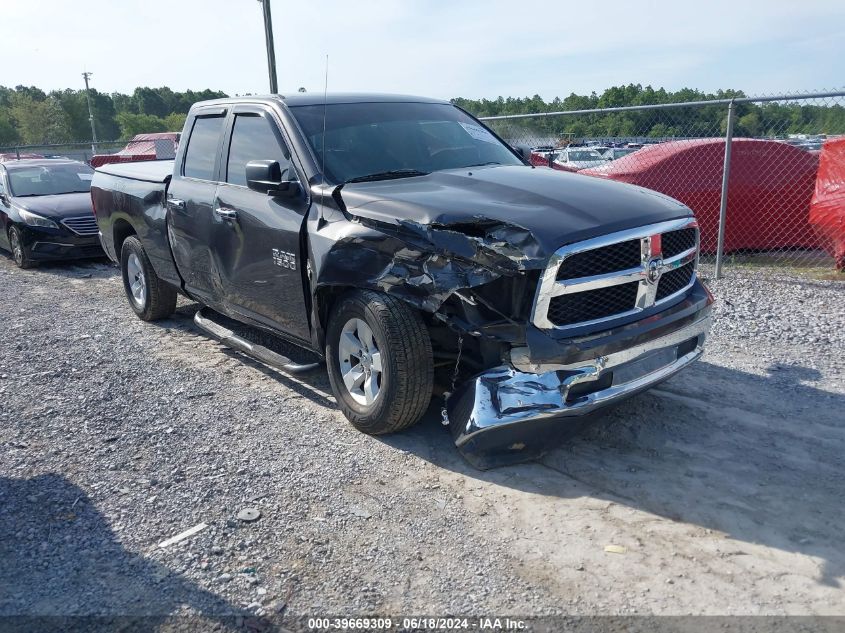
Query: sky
pixel 437 48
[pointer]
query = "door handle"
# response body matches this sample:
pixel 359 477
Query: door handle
pixel 226 213
pixel 176 204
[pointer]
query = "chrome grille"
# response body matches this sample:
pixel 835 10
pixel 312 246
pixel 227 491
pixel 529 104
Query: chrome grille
pixel 82 225
pixel 588 306
pixel 606 259
pixel 676 242
pixel 617 275
pixel 674 281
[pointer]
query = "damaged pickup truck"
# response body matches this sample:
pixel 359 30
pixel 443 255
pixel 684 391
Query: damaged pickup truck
pixel 419 256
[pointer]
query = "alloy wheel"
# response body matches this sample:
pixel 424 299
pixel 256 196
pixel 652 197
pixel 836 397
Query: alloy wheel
pixel 137 283
pixel 17 249
pixel 360 362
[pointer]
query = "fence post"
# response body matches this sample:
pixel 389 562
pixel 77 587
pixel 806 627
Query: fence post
pixel 18 152
pixel 726 176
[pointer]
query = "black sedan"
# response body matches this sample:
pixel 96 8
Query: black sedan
pixel 46 212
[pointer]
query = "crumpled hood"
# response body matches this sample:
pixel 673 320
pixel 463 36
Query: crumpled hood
pixel 555 207
pixel 58 207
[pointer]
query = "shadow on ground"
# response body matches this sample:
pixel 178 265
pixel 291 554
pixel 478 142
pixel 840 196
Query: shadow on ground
pixel 760 458
pixel 98 267
pixel 62 567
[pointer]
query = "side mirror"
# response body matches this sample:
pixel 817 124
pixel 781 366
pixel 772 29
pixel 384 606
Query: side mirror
pixel 524 151
pixel 265 176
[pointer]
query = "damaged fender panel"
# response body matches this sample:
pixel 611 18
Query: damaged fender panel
pixel 366 258
pixel 422 264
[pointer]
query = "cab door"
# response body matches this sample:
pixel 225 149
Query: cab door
pixel 190 203
pixel 255 236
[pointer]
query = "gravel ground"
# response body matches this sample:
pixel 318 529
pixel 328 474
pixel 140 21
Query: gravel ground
pixel 721 490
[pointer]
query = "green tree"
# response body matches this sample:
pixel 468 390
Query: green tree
pixel 8 132
pixel 149 101
pixel 175 121
pixel 40 122
pixel 132 124
pixel 749 125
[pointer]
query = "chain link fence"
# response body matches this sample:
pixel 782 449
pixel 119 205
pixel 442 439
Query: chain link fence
pixel 82 150
pixel 747 167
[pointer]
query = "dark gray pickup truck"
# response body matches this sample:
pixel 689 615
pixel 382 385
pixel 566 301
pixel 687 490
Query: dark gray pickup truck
pixel 419 256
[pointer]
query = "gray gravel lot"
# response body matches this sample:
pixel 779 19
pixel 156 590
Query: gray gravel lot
pixel 722 490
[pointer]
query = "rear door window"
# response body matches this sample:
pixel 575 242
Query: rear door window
pixel 254 138
pixel 201 154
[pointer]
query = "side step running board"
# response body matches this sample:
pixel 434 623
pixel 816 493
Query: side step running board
pixel 258 352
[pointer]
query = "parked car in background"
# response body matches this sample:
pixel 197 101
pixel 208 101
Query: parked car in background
pixel 767 208
pixel 827 208
pixel 545 157
pixel 575 158
pixel 46 212
pixel 612 153
pixel 158 146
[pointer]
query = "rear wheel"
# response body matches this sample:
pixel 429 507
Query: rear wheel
pixel 150 297
pixel 20 253
pixel 380 363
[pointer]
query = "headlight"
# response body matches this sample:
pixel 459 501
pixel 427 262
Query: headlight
pixel 36 220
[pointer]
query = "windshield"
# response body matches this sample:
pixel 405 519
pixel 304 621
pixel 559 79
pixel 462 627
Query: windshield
pixel 395 139
pixel 48 180
pixel 585 155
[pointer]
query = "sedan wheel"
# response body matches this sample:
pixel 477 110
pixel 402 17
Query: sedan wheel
pixel 19 253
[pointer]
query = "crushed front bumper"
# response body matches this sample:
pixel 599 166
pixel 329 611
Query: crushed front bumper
pixel 506 415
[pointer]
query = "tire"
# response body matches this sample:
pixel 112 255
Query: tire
pixel 20 253
pixel 150 297
pixel 405 382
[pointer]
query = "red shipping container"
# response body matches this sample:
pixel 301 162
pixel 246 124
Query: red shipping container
pixel 769 193
pixel 827 208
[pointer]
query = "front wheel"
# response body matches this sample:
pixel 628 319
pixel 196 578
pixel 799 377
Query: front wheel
pixel 380 363
pixel 150 297
pixel 20 253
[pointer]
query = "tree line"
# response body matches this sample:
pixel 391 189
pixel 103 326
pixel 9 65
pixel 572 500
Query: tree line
pixel 30 116
pixel 771 120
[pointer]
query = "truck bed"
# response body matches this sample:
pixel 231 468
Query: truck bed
pixel 146 171
pixel 129 198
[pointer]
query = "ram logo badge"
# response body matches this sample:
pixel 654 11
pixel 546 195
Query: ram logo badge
pixel 284 259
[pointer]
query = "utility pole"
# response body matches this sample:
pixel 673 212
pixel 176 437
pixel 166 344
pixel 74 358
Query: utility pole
pixel 271 51
pixel 86 75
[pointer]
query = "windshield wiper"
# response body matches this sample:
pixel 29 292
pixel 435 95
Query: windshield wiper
pixel 489 162
pixel 387 175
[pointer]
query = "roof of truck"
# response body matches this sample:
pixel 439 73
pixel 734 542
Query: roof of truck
pixel 314 98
